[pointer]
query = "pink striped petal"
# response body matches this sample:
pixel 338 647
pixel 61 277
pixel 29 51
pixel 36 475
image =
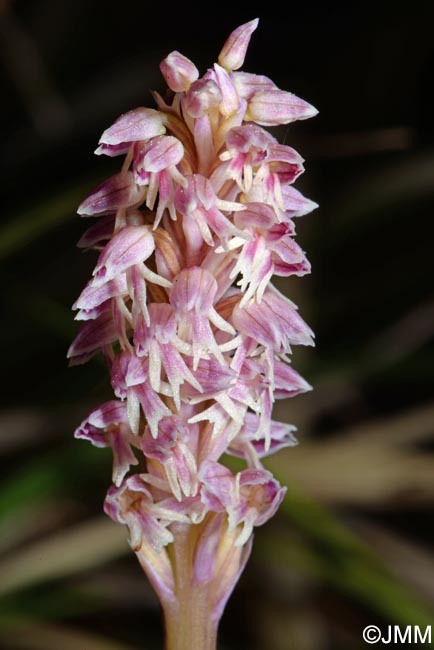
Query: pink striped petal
pixel 92 336
pixel 282 153
pixel 217 485
pixel 193 289
pixel 273 323
pixel 178 71
pixel 288 382
pixel 127 371
pixel 132 245
pixel 248 84
pixel 169 429
pixel 98 234
pixel 212 376
pixel 287 249
pixel 251 434
pixel 159 153
pixel 256 215
pixel 119 191
pixel 93 427
pixel 123 456
pixel 230 101
pixel 113 412
pixel 113 150
pixel 153 407
pixel 203 96
pixel 206 550
pixel 295 203
pixel 129 504
pixel 234 50
pixel 260 495
pixel 273 107
pixel 92 296
pixel 249 136
pixel 138 124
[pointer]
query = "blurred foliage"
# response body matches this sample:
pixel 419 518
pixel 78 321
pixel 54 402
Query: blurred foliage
pixel 352 544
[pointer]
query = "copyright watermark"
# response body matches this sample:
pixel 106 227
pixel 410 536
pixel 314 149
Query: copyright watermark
pixel 372 634
pixel 397 634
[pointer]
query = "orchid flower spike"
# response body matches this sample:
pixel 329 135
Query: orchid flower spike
pixel 189 234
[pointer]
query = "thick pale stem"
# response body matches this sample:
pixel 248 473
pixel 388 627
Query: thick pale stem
pixel 190 624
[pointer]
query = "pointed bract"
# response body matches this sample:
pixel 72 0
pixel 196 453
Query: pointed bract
pixel 234 50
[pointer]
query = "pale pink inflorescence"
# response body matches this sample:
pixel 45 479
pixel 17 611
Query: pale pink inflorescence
pixel 190 233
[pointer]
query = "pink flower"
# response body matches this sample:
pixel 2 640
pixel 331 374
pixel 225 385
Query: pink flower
pixel 198 341
pixel 250 442
pixel 132 504
pixel 257 495
pixel 107 426
pixel 131 381
pixel 172 450
pixel 199 202
pixel 254 154
pixel 160 343
pixel 250 498
pixel 273 250
pixel 155 165
pixel 273 322
pixel 192 297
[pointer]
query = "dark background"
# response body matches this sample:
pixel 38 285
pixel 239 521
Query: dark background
pixel 352 544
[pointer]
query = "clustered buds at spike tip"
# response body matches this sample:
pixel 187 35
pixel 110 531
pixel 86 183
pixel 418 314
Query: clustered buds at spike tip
pixel 189 235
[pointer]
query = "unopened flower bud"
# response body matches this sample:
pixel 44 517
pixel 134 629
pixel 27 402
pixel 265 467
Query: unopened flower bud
pixel 234 50
pixel 203 96
pixel 178 71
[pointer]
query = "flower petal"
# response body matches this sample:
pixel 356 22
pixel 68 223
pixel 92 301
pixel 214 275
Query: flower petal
pixel 178 71
pixel 234 50
pixel 119 191
pixel 138 124
pixel 131 245
pixel 273 107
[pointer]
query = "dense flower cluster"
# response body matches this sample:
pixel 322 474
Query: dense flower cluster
pixel 190 233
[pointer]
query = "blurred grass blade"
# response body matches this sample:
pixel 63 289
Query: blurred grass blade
pixel 30 521
pixel 34 484
pixel 405 180
pixel 349 564
pixel 33 635
pixel 85 546
pixel 366 464
pixel 24 228
pixel 408 560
